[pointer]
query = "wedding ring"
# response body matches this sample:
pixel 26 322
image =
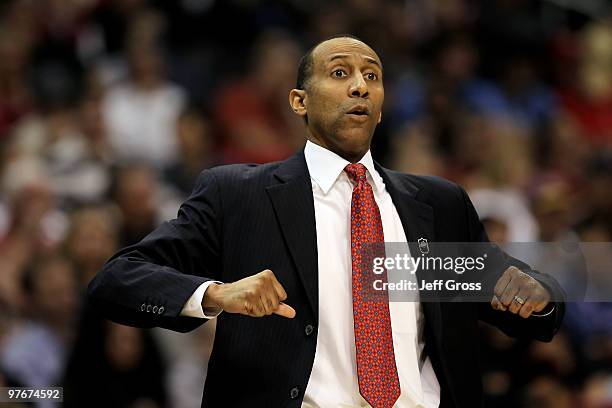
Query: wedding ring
pixel 519 300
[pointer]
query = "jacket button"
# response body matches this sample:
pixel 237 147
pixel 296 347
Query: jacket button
pixel 161 310
pixel 148 308
pixel 295 391
pixel 308 329
pixel 143 307
pixel 154 309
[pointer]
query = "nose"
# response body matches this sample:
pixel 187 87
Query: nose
pixel 358 87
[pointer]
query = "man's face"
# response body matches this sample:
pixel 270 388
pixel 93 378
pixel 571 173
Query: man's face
pixel 343 98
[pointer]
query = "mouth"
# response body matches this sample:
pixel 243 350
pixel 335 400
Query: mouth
pixel 359 112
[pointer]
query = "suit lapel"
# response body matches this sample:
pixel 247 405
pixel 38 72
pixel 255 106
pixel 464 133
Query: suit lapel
pixel 417 216
pixel 293 204
pixel 418 222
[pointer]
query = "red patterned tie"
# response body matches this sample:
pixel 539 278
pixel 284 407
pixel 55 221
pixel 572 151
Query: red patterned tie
pixel 376 369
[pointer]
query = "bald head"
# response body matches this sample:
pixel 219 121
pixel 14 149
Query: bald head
pixel 305 66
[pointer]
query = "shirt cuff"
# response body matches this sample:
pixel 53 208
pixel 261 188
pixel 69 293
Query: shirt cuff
pixel 193 306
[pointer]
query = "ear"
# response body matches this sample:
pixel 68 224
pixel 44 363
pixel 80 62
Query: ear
pixel 297 101
pixel 379 117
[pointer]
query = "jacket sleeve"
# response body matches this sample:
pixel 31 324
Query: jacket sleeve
pixel 147 284
pixel 541 328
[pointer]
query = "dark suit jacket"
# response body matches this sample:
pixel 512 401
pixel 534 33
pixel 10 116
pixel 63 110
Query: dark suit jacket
pixel 242 219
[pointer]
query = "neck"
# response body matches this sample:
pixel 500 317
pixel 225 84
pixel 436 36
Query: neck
pixel 352 157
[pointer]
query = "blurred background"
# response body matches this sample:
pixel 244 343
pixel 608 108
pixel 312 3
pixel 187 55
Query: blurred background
pixel 109 109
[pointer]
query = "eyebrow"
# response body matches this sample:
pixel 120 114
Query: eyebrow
pixel 368 59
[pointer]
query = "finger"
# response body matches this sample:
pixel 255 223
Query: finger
pixel 541 300
pixel 527 309
pixel 540 305
pixel 511 290
pixel 501 284
pixel 266 273
pixel 285 310
pixel 532 299
pixel 265 303
pixel 278 288
pixel 248 309
pixel 269 291
pixel 523 294
pixel 271 299
pixel 263 306
pixel 496 304
pixel 255 308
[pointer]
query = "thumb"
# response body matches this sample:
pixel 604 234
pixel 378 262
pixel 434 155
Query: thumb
pixel 285 310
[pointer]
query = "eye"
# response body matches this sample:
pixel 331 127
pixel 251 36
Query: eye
pixel 339 73
pixel 371 76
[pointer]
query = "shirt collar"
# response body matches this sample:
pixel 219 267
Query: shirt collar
pixel 326 166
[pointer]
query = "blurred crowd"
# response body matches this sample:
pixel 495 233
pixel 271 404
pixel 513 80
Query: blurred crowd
pixel 109 109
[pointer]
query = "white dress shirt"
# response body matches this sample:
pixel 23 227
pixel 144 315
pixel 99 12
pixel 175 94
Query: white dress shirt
pixel 333 381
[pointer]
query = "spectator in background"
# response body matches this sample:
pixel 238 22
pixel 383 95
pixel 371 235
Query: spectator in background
pixel 189 366
pixel 114 366
pixel 566 152
pixel 415 150
pixel 195 147
pixel 497 229
pixel 54 134
pixel 490 153
pixel 435 96
pixel 141 112
pixel 136 193
pixel 35 351
pixel 35 225
pixel 599 192
pixel 143 201
pixel 111 21
pixel 7 321
pixel 455 91
pixel 500 364
pixel 76 175
pixel 596 392
pixel 506 213
pixel 517 96
pixel 553 209
pixel 589 101
pixel 15 97
pixel 255 122
pixel 91 240
pixel 523 98
pixel 547 392
pixel 91 118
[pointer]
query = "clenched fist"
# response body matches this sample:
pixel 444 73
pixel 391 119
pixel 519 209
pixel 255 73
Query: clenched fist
pixel 258 295
pixel 519 293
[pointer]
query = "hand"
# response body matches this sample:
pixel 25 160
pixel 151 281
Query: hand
pixel 258 295
pixel 517 283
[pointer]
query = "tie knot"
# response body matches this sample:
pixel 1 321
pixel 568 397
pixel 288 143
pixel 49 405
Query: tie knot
pixel 356 172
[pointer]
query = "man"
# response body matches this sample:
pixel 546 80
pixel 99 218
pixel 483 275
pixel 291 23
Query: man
pixel 293 330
